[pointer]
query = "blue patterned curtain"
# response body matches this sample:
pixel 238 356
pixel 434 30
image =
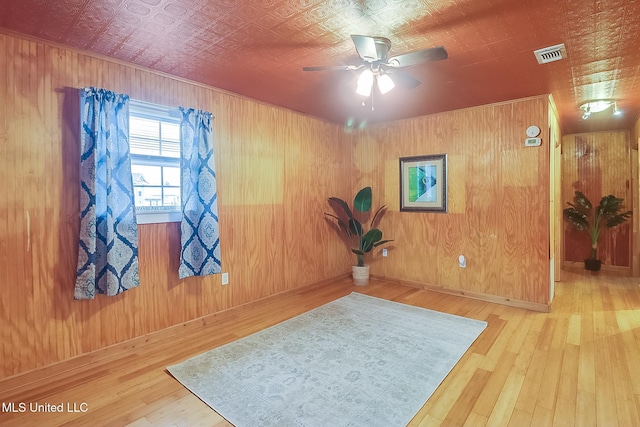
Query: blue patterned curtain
pixel 200 254
pixel 108 255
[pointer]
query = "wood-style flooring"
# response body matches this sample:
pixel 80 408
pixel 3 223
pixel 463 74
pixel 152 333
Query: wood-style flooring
pixel 578 365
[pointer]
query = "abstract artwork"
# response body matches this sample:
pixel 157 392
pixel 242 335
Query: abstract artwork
pixel 423 183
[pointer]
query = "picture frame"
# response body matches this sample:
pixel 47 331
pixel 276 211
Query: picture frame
pixel 423 183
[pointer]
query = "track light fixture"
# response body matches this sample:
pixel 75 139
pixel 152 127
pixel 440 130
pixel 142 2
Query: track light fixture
pixel 616 112
pixel 597 106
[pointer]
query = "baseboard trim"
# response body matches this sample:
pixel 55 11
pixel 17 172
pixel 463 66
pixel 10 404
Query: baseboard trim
pixel 533 306
pixel 24 379
pixel 609 270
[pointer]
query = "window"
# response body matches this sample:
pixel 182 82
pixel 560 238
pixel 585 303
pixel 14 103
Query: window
pixel 154 139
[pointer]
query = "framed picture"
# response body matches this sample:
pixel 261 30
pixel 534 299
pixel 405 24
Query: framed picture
pixel 423 183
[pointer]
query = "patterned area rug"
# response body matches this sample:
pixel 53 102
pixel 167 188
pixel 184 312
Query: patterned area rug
pixel 356 361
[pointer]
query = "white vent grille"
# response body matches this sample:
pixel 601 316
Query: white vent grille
pixel 550 54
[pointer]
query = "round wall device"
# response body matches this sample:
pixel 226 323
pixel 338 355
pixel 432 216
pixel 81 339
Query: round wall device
pixel 533 131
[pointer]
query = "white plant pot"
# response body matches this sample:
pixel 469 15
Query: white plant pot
pixel 360 275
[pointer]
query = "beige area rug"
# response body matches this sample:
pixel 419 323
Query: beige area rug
pixel 356 361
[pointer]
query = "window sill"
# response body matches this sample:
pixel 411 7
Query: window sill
pixel 151 217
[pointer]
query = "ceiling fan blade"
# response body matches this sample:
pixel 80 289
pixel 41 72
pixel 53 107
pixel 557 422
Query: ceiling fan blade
pixel 366 47
pixel 403 79
pixel 333 68
pixel 418 57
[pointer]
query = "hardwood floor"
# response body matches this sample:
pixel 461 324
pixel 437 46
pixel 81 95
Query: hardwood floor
pixel 576 366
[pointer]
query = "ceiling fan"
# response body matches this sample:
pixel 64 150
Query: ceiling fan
pixel 379 67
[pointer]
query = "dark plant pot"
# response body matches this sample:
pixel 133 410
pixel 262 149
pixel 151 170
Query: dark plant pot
pixel 592 264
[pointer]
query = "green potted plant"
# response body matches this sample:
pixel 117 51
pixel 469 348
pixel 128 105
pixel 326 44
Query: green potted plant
pixel 362 241
pixel 607 214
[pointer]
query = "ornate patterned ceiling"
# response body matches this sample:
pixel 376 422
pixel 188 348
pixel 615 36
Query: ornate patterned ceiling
pixel 258 48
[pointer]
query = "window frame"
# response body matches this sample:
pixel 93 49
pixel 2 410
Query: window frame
pixel 160 113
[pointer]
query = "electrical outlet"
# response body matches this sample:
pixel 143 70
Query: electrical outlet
pixel 462 261
pixel 225 278
pixel 384 252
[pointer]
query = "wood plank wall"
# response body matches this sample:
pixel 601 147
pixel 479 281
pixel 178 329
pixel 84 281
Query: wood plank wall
pixel 598 164
pixel 555 192
pixel 635 191
pixel 499 200
pixel 275 170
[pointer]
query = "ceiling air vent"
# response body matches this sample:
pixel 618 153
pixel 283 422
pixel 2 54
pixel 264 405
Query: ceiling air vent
pixel 550 54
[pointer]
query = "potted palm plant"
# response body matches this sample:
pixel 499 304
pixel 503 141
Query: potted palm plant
pixel 607 214
pixel 362 241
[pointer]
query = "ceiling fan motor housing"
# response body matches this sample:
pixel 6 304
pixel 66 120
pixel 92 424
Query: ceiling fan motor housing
pixel 383 45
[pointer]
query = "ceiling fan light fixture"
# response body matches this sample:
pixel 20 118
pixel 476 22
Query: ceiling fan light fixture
pixel 373 52
pixel 365 83
pixel 385 83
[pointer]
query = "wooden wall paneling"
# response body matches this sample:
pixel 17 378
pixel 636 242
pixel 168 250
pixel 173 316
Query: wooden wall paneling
pixel 12 178
pixel 40 260
pixel 635 191
pixel 456 241
pixel 159 253
pixel 428 248
pixel 303 220
pixel 301 213
pixel 337 254
pixel 524 174
pixel 38 220
pixel 68 78
pixel 555 139
pixel 483 162
pixel 537 201
pixel 452 234
pixel 618 245
pixel 22 157
pixel 255 202
pixel 8 180
pixel 59 228
pixel 34 212
pixel 499 194
pixel 259 184
pixel 368 170
pixel 5 333
pixel 529 241
pixel 342 187
pixel 598 164
pixel 415 257
pixel 9 177
pixel 325 153
pixel 457 202
pixel 276 170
